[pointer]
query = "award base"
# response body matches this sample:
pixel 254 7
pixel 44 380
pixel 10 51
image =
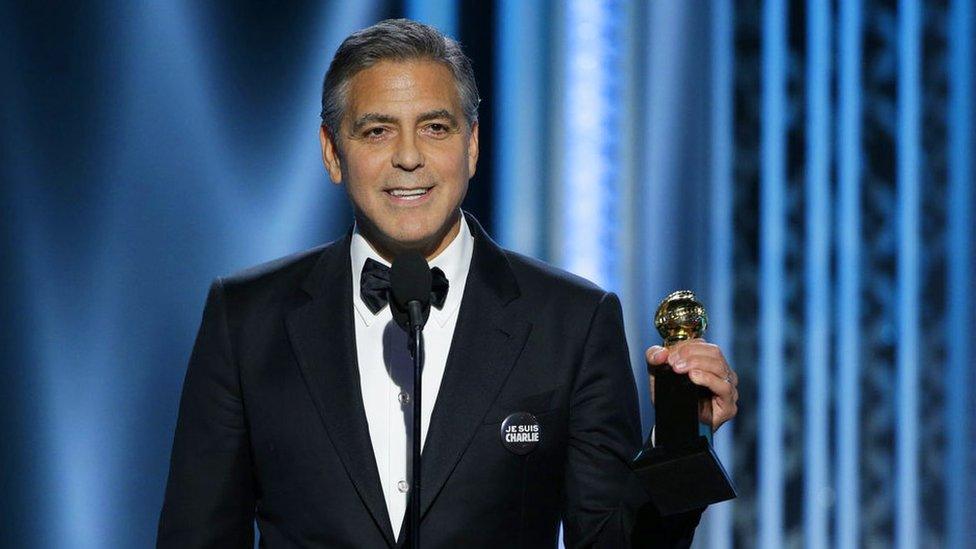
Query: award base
pixel 682 479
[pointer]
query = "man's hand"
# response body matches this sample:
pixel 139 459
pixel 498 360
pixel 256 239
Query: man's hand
pixel 705 366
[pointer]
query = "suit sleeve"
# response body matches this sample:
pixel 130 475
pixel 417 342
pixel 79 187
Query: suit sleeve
pixel 605 505
pixel 210 494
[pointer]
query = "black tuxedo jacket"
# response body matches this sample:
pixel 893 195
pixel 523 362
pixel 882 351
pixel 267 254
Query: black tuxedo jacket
pixel 272 426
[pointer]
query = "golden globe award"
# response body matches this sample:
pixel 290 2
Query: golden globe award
pixel 681 472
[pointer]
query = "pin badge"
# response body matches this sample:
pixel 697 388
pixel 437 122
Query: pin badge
pixel 521 432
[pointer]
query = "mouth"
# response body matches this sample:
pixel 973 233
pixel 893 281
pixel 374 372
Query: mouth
pixel 408 196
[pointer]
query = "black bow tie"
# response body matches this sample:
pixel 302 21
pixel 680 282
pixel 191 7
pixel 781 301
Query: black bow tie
pixel 374 286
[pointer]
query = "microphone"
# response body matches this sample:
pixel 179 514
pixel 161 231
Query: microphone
pixel 410 284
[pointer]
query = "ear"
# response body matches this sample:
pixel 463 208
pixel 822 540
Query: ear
pixel 473 150
pixel 330 155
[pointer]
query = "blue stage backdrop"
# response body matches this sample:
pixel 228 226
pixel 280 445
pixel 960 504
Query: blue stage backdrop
pixel 806 167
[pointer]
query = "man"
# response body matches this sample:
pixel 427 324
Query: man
pixel 296 404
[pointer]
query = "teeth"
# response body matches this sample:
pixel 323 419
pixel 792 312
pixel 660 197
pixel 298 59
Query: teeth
pixel 408 192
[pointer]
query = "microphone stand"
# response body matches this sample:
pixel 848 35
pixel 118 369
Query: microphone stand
pixel 417 352
pixel 410 287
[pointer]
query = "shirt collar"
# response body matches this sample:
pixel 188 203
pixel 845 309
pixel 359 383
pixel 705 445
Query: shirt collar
pixel 454 260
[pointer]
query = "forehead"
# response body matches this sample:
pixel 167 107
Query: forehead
pixel 401 88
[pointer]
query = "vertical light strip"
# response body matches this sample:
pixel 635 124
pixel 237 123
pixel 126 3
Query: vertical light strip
pixel 959 255
pixel 847 351
pixel 907 422
pixel 630 213
pixel 520 119
pixel 584 198
pixel 440 14
pixel 817 277
pixel 587 203
pixel 772 242
pixel 722 229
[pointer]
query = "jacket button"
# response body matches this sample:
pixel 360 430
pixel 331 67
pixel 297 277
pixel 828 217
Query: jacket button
pixel 403 486
pixel 404 397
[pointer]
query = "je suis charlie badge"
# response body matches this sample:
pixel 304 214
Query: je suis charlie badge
pixel 521 433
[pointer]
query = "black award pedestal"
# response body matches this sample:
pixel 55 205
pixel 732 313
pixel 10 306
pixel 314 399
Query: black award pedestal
pixel 681 472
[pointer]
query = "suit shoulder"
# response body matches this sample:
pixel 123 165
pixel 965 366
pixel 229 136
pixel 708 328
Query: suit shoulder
pixel 560 302
pixel 273 279
pixel 535 275
pixel 282 267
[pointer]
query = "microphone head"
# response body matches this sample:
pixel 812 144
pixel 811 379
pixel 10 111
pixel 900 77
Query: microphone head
pixel 410 280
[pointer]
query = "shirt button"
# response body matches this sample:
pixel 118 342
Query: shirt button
pixel 403 486
pixel 404 397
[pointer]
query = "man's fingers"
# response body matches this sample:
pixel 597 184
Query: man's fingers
pixel 656 355
pixel 721 413
pixel 706 366
pixel 704 362
pixel 717 385
pixel 696 346
pixel 726 396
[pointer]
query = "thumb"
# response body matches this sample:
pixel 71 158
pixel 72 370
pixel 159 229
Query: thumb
pixel 656 355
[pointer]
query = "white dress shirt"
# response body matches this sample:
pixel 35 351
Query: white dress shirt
pixel 386 369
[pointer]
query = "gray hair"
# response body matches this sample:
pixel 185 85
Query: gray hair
pixel 395 40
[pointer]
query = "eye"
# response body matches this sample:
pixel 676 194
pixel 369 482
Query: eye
pixel 437 129
pixel 375 132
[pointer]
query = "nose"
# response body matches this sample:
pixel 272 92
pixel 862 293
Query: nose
pixel 407 156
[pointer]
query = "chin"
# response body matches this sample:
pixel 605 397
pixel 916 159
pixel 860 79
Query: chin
pixel 414 239
pixel 417 229
pixel 412 231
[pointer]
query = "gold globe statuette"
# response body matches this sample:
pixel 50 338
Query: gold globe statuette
pixel 680 316
pixel 679 469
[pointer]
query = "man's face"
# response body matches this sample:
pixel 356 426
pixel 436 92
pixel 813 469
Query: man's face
pixel 404 153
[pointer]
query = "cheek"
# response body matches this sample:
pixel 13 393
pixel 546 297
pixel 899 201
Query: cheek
pixel 454 167
pixel 359 163
pixel 361 174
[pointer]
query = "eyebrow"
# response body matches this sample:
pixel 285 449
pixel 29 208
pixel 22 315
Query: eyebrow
pixel 372 117
pixel 439 113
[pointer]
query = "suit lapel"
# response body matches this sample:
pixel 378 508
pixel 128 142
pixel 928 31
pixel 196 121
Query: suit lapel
pixel 324 338
pixel 486 342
